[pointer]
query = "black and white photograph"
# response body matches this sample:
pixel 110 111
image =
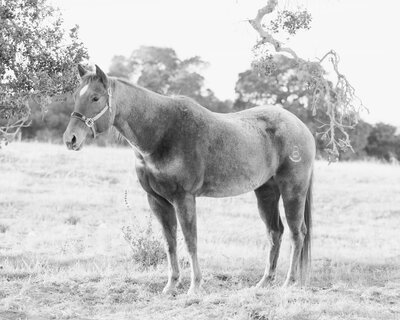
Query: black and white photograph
pixel 185 160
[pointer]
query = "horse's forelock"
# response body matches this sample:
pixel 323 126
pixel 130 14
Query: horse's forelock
pixel 90 78
pixel 87 80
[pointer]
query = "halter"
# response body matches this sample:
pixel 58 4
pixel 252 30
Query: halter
pixel 90 122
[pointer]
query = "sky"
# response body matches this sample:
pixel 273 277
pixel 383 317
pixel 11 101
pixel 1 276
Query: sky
pixel 362 32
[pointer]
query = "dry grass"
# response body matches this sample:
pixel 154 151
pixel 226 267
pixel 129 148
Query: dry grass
pixel 63 255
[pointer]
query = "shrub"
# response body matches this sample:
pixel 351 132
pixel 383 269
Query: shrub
pixel 4 228
pixel 73 220
pixel 147 249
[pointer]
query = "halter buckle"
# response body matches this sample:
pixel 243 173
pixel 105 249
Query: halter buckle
pixel 89 122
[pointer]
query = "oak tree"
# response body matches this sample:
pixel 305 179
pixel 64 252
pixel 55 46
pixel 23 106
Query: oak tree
pixel 38 57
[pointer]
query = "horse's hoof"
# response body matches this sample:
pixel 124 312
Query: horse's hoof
pixel 265 282
pixel 194 291
pixel 169 291
pixel 289 283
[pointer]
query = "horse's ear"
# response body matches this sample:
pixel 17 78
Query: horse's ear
pixel 103 77
pixel 82 70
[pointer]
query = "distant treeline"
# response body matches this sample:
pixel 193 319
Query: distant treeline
pixel 160 70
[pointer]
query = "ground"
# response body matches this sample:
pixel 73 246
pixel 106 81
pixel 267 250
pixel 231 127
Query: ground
pixel 63 254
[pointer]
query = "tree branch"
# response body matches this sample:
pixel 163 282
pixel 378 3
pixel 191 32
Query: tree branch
pixel 256 23
pixel 342 105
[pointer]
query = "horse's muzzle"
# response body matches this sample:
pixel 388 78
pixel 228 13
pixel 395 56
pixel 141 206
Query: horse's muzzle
pixel 71 141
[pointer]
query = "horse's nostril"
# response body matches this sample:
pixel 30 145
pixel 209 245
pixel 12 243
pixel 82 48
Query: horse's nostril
pixel 73 141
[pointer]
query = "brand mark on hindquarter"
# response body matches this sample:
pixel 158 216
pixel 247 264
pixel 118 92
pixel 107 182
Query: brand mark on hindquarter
pixel 295 156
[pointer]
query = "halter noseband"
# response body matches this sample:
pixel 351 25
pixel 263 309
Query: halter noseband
pixel 90 122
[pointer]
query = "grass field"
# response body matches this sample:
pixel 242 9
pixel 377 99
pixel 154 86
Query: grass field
pixel 63 255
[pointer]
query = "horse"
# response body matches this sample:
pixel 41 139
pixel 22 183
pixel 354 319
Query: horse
pixel 184 151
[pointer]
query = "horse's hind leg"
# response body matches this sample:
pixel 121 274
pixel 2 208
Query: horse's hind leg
pixel 295 188
pixel 268 206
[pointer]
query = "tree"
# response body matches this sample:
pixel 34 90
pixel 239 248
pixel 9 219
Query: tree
pixel 283 85
pixel 160 70
pixel 341 105
pixel 383 142
pixel 37 59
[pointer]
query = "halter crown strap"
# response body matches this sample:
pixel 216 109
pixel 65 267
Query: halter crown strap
pixel 90 122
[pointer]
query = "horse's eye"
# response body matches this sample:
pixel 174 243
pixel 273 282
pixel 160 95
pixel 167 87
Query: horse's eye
pixel 95 99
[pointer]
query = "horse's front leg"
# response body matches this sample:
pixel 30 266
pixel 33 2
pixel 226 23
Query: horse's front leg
pixel 185 207
pixel 165 214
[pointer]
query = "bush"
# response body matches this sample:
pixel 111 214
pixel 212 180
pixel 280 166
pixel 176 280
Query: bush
pixel 147 249
pixel 4 228
pixel 383 142
pixel 72 220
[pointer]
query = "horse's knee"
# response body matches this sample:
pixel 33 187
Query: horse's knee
pixel 275 236
pixel 297 236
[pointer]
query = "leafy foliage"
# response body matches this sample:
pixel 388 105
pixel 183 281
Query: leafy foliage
pixel 384 143
pixel 290 21
pixel 37 57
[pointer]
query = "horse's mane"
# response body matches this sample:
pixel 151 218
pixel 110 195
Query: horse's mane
pixel 124 81
pixel 93 77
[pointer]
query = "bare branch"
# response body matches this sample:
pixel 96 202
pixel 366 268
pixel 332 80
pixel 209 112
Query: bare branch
pixel 8 133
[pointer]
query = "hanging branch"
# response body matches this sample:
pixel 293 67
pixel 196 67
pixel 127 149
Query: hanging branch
pixel 8 133
pixel 339 100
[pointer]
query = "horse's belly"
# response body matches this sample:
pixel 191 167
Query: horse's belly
pixel 233 175
pixel 227 189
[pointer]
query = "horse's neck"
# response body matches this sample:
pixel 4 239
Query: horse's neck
pixel 142 116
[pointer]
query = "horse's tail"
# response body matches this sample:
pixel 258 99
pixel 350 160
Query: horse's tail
pixel 305 256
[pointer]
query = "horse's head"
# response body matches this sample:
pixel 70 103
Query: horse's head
pixel 92 113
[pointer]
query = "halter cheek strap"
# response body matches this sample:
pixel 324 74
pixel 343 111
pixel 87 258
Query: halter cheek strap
pixel 91 122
